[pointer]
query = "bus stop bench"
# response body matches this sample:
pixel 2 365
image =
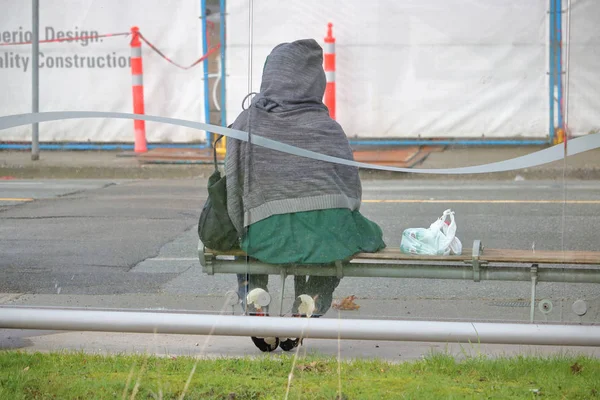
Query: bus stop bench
pixel 479 264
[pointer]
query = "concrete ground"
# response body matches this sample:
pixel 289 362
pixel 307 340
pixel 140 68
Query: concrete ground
pixel 129 243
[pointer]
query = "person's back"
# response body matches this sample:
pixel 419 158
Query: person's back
pixel 291 209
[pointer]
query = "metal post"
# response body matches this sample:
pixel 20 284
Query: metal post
pixel 205 66
pixel 558 55
pixel 320 328
pixel 281 295
pixel 551 73
pixel 223 69
pixel 567 58
pixel 35 77
pixel 534 278
pixel 413 271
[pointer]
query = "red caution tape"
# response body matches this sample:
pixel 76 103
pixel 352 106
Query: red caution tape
pixel 198 61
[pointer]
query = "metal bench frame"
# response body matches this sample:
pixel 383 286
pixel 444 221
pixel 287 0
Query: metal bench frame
pixel 481 265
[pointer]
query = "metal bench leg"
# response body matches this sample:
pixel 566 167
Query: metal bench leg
pixel 534 277
pixel 283 276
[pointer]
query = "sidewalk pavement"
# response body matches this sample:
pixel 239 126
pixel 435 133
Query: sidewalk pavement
pixel 114 165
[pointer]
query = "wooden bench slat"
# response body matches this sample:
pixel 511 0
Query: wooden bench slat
pixel 489 255
pixel 396 254
pixel 541 256
pixel 236 253
pixel 385 254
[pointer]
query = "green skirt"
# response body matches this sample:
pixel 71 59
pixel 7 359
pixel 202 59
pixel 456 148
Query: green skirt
pixel 312 237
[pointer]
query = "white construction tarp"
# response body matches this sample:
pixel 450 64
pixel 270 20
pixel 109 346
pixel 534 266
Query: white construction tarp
pixel 413 68
pixel 95 75
pixel 584 67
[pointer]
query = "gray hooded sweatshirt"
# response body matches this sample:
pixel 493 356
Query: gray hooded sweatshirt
pixel 289 108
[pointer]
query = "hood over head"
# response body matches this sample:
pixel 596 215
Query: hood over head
pixel 293 77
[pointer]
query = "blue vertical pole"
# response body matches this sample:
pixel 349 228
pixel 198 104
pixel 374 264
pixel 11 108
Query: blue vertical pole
pixel 551 72
pixel 223 76
pixel 558 34
pixel 205 65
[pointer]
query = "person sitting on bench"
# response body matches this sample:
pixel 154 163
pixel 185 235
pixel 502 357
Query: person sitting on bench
pixel 289 209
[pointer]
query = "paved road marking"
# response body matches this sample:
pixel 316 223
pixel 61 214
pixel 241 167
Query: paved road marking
pixel 13 199
pixel 486 201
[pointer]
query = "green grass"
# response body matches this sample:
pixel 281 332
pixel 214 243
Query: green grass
pixel 86 376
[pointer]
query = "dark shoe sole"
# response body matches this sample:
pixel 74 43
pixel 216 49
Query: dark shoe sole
pixel 264 346
pixel 291 344
pixel 260 342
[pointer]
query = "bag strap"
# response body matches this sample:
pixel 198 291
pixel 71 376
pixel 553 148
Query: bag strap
pixel 215 152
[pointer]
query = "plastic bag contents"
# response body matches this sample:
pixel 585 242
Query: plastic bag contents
pixel 439 239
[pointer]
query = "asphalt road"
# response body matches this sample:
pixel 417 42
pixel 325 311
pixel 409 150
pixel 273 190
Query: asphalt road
pixel 132 244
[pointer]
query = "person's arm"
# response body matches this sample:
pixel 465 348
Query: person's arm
pixel 234 173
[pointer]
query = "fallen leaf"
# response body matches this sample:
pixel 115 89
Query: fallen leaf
pixel 308 367
pixel 26 369
pixel 346 304
pixel 576 368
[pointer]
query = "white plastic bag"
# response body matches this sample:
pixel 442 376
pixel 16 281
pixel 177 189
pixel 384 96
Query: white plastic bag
pixel 439 239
